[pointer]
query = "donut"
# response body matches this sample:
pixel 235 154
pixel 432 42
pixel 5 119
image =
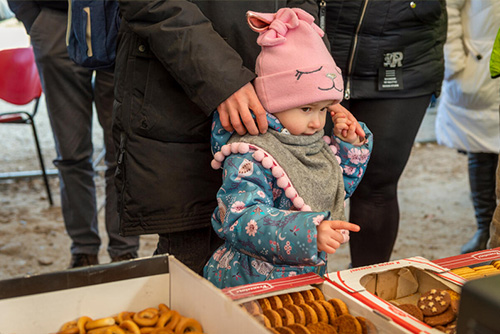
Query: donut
pixel 286 315
pixel 103 322
pixel 174 320
pixel 147 317
pixel 130 327
pixel 311 316
pixel 321 328
pixel 122 316
pixel 367 327
pixel 339 305
pixel 284 330
pixel 81 322
pixel 163 308
pixel 320 311
pixel 187 325
pixel 330 310
pixel 318 294
pixel 274 318
pixel 299 329
pixel 286 299
pixel 264 304
pixel 308 295
pixel 275 302
pixel 297 298
pixel 164 318
pixel 346 323
pixel 299 315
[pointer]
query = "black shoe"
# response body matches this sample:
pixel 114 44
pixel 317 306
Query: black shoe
pixel 477 242
pixel 83 260
pixel 123 257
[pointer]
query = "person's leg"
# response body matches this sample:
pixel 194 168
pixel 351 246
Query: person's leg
pixel 495 222
pixel 68 95
pixel 193 247
pixel 482 167
pixel 119 247
pixel 374 204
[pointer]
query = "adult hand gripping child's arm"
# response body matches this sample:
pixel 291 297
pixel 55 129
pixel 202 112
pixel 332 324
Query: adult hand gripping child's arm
pixel 333 233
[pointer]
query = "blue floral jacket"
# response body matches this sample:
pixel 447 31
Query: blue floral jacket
pixel 265 236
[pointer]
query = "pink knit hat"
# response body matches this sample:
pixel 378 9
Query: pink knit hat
pixel 294 67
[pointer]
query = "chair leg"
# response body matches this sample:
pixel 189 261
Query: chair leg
pixel 40 158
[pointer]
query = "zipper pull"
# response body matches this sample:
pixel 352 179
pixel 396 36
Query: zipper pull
pixel 347 94
pixel 322 15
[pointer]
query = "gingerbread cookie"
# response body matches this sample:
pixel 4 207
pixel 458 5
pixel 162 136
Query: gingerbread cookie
pixel 286 315
pixel 311 316
pixel 412 310
pixel 330 310
pixel 321 328
pixel 441 319
pixel 298 313
pixel 346 323
pixel 339 305
pixel 299 329
pixel 367 327
pixel 274 318
pixel 434 302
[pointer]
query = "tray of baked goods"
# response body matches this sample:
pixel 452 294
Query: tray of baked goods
pixel 417 294
pixel 308 304
pixel 151 295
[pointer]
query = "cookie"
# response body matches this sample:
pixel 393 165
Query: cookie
pixel 321 328
pixel 367 327
pixel 263 320
pixel 434 302
pixel 274 318
pixel 299 315
pixel 274 331
pixel 286 299
pixel 264 304
pixel 453 294
pixel 297 298
pixel 311 316
pixel 412 310
pixel 286 315
pixel 284 330
pixel 339 305
pixel 275 302
pixel 441 319
pixel 320 311
pixel 318 294
pixel 308 295
pixel 330 310
pixel 347 324
pixel 252 307
pixel 299 329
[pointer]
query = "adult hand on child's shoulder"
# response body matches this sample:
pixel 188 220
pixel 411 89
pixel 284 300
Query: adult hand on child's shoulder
pixel 236 112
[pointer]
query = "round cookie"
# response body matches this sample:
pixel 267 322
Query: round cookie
pixel 274 331
pixel 263 320
pixel 286 299
pixel 434 302
pixel 330 310
pixel 308 295
pixel 311 316
pixel 252 307
pixel 320 311
pixel 321 328
pixel 284 330
pixel 317 293
pixel 297 298
pixel 339 305
pixel 275 302
pixel 347 324
pixel 443 318
pixel 299 329
pixel 264 304
pixel 413 310
pixel 274 318
pixel 286 315
pixel 367 327
pixel 299 315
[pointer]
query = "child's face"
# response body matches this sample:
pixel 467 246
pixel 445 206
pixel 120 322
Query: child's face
pixel 305 120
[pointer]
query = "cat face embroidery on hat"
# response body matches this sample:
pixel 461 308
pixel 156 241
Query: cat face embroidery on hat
pixel 334 80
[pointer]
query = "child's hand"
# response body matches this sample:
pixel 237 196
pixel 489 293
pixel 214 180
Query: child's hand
pixel 332 233
pixel 346 126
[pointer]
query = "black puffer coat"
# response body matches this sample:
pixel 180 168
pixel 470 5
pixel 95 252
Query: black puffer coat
pixel 365 33
pixel 177 61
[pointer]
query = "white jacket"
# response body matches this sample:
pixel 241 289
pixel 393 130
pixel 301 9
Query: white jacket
pixel 468 112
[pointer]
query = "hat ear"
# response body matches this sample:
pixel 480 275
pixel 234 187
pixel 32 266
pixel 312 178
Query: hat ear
pixel 259 22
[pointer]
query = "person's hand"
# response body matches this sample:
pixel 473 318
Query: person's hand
pixel 345 129
pixel 332 233
pixel 236 112
pixel 340 109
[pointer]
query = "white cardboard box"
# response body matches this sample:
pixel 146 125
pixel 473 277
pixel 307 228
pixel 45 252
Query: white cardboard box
pixel 42 303
pixel 402 280
pixel 244 293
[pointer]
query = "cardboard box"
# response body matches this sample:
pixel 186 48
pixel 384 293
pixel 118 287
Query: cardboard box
pixel 399 281
pixel 245 293
pixel 470 259
pixel 42 303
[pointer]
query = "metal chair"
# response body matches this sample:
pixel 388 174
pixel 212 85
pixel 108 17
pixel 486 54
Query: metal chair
pixel 20 85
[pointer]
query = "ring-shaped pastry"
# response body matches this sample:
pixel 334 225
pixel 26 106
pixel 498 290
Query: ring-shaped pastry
pixel 173 321
pixel 187 325
pixel 147 330
pixel 130 327
pixel 164 318
pixel 81 322
pixel 162 330
pixel 147 317
pixel 125 315
pixel 98 323
pixel 163 308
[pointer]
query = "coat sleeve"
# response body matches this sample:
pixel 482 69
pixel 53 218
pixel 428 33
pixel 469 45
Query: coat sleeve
pixel 26 11
pixel 248 218
pixel 353 159
pixel 184 41
pixel 454 49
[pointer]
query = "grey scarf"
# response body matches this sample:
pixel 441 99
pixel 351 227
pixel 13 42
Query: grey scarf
pixel 310 165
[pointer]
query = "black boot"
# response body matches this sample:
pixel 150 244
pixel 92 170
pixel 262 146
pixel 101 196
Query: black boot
pixel 482 178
